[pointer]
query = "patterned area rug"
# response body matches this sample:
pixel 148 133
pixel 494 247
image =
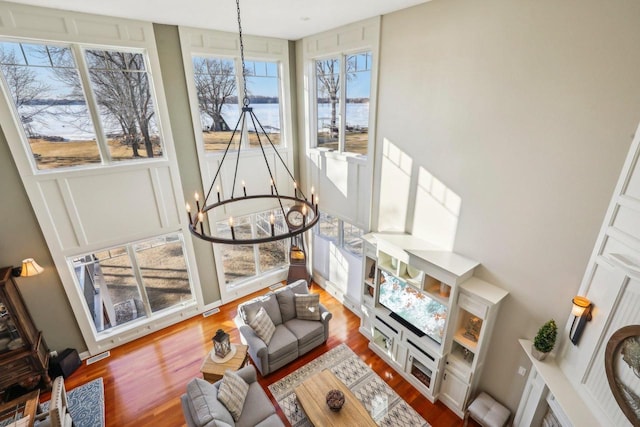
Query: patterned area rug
pixel 86 404
pixel 384 404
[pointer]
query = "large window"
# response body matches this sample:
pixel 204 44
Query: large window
pixel 220 94
pixel 242 262
pixel 67 124
pixel 126 283
pixel 341 233
pixel 343 90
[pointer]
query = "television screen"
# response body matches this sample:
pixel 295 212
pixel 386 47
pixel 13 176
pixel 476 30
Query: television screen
pixel 417 308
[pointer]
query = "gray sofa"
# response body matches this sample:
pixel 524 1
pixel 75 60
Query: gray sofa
pixel 293 337
pixel 202 408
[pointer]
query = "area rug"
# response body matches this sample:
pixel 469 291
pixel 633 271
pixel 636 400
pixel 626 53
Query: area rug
pixel 86 404
pixel 382 402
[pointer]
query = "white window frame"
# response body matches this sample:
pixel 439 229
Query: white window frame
pixel 342 125
pixel 339 241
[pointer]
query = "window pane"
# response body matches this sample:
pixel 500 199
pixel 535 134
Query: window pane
pixel 263 88
pixel 328 102
pixel 46 90
pixel 216 88
pixel 109 287
pixel 358 91
pixel 352 238
pixel 272 255
pixel 238 260
pixel 164 272
pixel 122 89
pixel 328 227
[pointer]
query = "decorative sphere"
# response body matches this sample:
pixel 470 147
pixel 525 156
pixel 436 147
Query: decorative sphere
pixel 335 400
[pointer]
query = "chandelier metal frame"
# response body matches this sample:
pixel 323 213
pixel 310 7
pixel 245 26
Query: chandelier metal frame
pixel 308 208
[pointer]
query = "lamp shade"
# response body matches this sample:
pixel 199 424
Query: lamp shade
pixel 579 304
pixel 30 268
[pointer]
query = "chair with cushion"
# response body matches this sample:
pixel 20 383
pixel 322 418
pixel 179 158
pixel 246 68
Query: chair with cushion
pixel 487 412
pixel 58 413
pixel 237 400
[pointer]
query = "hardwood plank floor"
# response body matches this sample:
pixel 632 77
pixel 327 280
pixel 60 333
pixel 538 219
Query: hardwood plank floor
pixel 144 379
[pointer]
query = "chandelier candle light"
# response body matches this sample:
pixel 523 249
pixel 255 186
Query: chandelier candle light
pixel 300 214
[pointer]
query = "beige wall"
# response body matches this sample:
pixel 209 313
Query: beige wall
pixel 525 110
pixel 175 87
pixel 21 237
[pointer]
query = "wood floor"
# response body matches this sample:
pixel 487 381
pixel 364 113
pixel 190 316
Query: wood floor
pixel 144 379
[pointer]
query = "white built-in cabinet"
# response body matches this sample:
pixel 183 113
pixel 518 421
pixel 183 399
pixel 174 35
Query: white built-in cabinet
pixel 446 366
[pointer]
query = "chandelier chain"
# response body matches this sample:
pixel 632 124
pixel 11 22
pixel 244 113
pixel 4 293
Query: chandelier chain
pixel 245 100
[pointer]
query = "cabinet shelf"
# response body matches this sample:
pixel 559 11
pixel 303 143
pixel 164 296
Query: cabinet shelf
pixel 434 292
pixel 467 343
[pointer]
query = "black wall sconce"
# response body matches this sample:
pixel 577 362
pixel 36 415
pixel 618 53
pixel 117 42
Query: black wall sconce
pixel 582 312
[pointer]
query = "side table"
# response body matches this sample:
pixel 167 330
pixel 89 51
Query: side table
pixel 212 371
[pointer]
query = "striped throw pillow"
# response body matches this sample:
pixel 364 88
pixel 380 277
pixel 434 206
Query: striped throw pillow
pixel 308 306
pixel 232 393
pixel 263 325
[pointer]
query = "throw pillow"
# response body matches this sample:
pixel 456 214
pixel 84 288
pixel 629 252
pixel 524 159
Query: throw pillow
pixel 308 306
pixel 204 405
pixel 232 393
pixel 249 309
pixel 263 326
pixel 286 298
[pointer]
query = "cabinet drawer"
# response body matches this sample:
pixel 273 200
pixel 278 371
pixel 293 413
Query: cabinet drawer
pixel 474 307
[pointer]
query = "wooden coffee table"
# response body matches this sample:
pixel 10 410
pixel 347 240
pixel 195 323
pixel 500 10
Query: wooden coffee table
pixel 212 371
pixel 311 395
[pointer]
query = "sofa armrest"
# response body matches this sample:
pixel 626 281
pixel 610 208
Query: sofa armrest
pixel 325 315
pixel 255 343
pixel 248 374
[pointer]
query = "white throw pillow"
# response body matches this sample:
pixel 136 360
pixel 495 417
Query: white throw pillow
pixel 232 393
pixel 263 325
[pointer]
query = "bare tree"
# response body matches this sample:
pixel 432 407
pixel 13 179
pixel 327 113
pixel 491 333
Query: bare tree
pixel 26 89
pixel 215 85
pixel 328 77
pixel 121 86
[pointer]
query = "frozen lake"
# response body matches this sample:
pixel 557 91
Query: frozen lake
pixel 72 121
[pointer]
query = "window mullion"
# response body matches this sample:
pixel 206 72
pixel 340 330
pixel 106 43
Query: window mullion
pixel 244 139
pixel 92 105
pixel 343 104
pixel 141 288
pixel 256 248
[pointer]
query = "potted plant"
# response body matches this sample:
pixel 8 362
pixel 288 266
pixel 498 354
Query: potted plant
pixel 545 340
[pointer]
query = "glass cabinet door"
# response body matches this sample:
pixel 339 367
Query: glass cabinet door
pixel 10 338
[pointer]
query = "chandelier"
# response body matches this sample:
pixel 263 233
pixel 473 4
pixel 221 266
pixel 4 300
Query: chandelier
pixel 299 213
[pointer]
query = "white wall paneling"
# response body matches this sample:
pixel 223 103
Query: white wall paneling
pixel 612 283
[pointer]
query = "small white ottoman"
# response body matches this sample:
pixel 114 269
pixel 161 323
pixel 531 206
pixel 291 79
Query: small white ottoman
pixel 487 411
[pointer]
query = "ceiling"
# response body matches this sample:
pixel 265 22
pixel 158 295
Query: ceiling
pixel 287 19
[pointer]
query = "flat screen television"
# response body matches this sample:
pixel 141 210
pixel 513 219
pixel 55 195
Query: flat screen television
pixel 412 308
